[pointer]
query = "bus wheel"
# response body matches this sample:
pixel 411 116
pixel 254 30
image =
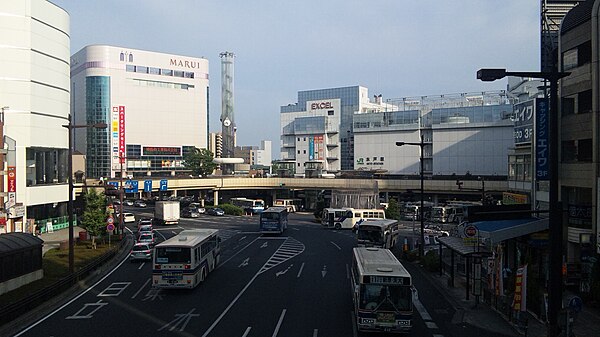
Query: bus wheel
pixel 338 226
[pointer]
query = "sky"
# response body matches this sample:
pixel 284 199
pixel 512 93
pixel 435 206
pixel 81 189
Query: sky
pixel 397 48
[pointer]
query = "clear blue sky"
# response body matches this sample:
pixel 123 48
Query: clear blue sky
pixel 395 48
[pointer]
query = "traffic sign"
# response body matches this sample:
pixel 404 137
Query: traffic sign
pixel 470 231
pixel 110 220
pixel 147 185
pixel 163 184
pixel 131 186
pixel 110 227
pixel 575 304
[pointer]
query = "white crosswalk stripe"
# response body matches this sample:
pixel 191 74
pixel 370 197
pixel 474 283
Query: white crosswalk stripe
pixel 226 234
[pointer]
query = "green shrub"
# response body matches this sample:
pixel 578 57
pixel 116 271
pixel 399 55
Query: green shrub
pixel 231 209
pixel 431 261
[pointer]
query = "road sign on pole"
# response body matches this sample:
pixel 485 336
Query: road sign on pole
pixel 110 227
pixel 163 184
pixel 147 185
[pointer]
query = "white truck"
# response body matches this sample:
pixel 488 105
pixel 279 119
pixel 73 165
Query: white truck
pixel 166 212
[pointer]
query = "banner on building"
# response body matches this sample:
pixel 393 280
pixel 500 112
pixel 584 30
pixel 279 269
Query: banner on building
pixel 520 299
pixel 121 134
pixel 498 272
pixel 514 198
pixel 522 116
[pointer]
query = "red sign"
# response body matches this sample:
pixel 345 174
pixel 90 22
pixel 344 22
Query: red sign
pixel 470 231
pixel 121 134
pixel 12 179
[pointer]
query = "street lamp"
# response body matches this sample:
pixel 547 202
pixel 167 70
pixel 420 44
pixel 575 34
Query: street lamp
pixel 70 127
pixel 555 219
pixel 421 213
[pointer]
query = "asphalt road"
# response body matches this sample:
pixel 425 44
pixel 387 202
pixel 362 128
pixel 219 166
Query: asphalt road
pixel 297 284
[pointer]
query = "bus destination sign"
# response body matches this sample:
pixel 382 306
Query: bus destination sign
pixel 399 280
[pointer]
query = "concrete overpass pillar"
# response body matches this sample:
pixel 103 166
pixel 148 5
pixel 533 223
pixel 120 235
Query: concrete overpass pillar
pixel 216 197
pixel 273 196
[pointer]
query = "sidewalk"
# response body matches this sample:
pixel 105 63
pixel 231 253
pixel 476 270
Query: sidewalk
pixel 481 315
pixel 53 240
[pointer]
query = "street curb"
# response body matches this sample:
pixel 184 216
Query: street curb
pixel 17 325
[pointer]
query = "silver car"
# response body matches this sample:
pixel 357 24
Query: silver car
pixel 140 251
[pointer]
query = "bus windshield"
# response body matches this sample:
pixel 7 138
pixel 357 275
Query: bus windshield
pixel 370 234
pixel 172 255
pixel 385 297
pixel 269 216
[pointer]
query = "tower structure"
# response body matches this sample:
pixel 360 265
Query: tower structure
pixel 227 112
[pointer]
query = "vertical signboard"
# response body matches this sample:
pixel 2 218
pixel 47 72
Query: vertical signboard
pixel 121 134
pixel 319 147
pixel 541 139
pixel 12 187
pixel 311 148
pixel 114 137
pixel 523 118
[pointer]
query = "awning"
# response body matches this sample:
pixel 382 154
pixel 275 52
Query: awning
pixel 496 231
pixel 458 245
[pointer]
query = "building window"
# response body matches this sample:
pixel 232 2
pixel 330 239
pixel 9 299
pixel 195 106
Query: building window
pixel 330 112
pixel 154 71
pixel 519 167
pixel 584 150
pixel 130 68
pixel 304 152
pixel 298 138
pixel 122 56
pixel 298 151
pixel 568 106
pixel 569 59
pixel 141 69
pixel 46 166
pixel 298 164
pixel 569 151
pixel 584 101
pixel 130 57
pixel 304 139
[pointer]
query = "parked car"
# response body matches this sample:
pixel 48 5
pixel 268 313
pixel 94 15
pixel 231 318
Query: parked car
pixel 190 212
pixel 140 251
pixel 128 217
pixel 197 206
pixel 140 204
pixel 128 202
pixel 147 238
pixel 215 211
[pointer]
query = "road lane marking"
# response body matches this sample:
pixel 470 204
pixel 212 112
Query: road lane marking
pixel 300 271
pixel 354 329
pixel 244 263
pixel 315 332
pixel 161 234
pixel 431 325
pixel 277 274
pixel 237 297
pixel 273 237
pixel 324 271
pixel 95 307
pixel 242 238
pixel 338 247
pixel 139 290
pixel 247 332
pixel 71 301
pixel 182 319
pixel 421 309
pixel 279 323
pixel 347 272
pixel 141 265
pixel 114 289
pixel 234 255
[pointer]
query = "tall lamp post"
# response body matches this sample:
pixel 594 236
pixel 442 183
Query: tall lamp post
pixel 421 209
pixel 71 127
pixel 555 219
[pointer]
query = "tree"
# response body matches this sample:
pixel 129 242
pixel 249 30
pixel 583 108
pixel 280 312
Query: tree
pixel 199 161
pixel 94 215
pixel 392 211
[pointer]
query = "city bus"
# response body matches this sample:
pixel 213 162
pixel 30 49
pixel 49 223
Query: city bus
pixel 412 211
pixel 186 259
pixel 383 291
pixel 292 205
pixel 340 218
pixel 274 220
pixel 253 206
pixel 381 233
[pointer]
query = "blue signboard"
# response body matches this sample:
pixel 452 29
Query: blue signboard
pixel 113 183
pixel 163 184
pixel 147 185
pixel 522 116
pixel 541 139
pixel 131 186
pixel 311 148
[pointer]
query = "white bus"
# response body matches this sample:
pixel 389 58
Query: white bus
pixel 253 206
pixel 185 260
pixel 382 291
pixel 292 205
pixel 381 233
pixel 339 218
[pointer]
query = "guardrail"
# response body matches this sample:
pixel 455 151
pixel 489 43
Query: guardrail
pixel 14 310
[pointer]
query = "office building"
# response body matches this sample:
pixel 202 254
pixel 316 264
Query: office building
pixel 156 105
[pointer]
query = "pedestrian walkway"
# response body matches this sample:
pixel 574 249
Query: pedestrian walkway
pixel 54 239
pixel 483 316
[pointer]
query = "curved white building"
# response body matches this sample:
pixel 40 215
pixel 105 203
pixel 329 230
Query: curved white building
pixel 156 106
pixel 34 91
